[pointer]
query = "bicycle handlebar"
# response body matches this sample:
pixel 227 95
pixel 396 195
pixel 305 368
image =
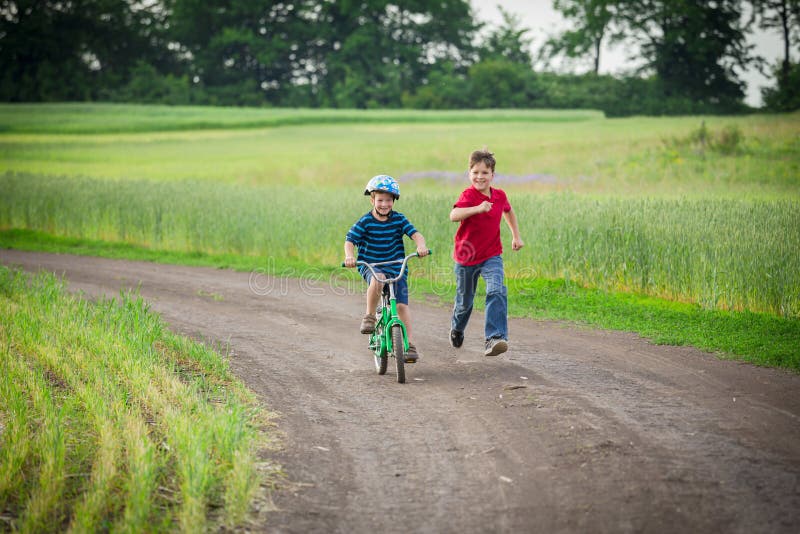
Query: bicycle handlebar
pixel 404 261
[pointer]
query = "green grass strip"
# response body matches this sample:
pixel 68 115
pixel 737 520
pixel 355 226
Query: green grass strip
pixel 113 421
pixel 758 338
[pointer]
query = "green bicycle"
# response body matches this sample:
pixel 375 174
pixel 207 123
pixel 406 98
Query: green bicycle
pixel 390 337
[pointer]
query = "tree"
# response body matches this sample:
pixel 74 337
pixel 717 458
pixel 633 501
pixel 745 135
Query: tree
pixel 693 47
pixel 508 42
pixel 783 15
pixel 386 48
pixel 785 96
pixel 242 51
pixel 592 21
pixel 55 50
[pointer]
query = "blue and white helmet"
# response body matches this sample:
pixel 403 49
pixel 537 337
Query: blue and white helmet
pixel 385 184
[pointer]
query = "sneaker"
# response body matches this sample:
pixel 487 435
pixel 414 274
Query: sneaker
pixel 495 346
pixel 412 355
pixel 368 324
pixel 456 338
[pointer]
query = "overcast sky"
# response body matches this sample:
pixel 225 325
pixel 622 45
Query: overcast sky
pixel 540 17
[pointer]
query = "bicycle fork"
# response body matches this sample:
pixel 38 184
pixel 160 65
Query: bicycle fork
pixel 381 339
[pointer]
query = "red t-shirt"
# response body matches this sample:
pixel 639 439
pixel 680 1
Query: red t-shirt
pixel 478 237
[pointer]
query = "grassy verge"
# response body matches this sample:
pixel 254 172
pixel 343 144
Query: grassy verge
pixel 110 422
pixel 758 338
pixel 761 339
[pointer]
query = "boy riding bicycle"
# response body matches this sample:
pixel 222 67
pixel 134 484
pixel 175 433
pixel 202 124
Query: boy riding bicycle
pixel 378 236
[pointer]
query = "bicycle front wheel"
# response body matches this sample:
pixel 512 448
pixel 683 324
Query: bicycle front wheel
pixel 378 346
pixel 399 352
pixel 381 361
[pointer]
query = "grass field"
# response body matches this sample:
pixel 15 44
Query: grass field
pixel 537 151
pixel 685 230
pixel 703 211
pixel 109 422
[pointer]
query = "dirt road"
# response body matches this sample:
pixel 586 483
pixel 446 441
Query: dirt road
pixel 572 430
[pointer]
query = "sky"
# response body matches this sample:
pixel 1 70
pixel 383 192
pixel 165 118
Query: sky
pixel 542 21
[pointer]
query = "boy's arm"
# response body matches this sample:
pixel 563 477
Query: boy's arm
pixel 422 248
pixel 459 214
pixel 513 225
pixel 349 254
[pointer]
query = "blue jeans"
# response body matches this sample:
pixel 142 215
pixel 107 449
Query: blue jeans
pixel 496 296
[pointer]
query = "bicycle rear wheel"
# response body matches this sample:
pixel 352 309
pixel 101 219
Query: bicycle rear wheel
pixel 399 352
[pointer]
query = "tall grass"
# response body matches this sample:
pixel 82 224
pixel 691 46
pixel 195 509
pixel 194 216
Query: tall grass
pixel 722 254
pixel 113 423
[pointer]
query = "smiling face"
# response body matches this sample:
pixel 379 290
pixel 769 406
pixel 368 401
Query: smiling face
pixel 382 204
pixel 481 176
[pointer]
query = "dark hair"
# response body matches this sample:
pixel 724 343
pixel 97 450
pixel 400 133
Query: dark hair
pixel 482 156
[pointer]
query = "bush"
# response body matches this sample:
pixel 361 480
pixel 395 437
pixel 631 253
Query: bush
pixel 148 86
pixel 727 142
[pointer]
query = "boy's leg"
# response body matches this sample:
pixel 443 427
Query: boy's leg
pixel 373 296
pixel 405 315
pixel 496 299
pixel 466 283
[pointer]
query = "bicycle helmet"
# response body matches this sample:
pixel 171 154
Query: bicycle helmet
pixel 385 184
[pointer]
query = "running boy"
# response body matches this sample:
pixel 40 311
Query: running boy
pixel 478 251
pixel 378 235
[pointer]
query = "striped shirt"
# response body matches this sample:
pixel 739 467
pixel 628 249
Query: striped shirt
pixel 378 241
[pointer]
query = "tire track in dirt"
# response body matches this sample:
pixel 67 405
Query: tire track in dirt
pixel 572 430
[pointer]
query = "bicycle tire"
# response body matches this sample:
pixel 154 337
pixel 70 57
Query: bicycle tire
pixel 399 352
pixel 381 357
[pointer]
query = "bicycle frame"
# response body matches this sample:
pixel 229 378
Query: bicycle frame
pixel 381 340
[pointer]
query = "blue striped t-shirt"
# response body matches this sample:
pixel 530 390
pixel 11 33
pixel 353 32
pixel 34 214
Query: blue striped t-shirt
pixel 378 241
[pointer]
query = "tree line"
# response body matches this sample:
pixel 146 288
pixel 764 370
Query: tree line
pixel 391 54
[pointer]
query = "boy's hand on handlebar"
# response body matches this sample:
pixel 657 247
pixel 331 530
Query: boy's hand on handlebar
pixel 422 251
pixel 349 261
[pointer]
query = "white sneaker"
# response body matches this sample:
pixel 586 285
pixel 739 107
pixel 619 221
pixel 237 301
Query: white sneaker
pixel 495 346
